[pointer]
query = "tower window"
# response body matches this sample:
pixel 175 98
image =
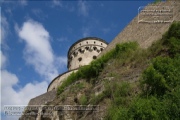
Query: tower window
pixel 94 57
pixel 94 42
pixel 101 44
pixel 80 50
pixel 101 49
pixel 87 48
pixel 87 42
pixel 95 48
pixel 80 59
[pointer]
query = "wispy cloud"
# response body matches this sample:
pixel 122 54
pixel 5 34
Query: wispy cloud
pixel 83 8
pixel 56 3
pixel 39 13
pixel 23 2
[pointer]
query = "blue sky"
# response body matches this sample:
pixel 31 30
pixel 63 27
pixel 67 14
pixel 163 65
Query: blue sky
pixel 36 36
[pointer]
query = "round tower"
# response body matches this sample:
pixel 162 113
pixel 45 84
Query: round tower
pixel 84 51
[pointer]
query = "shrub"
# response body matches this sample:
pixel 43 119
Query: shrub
pixel 161 76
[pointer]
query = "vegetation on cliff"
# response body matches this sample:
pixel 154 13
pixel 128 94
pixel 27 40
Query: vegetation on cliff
pixel 146 82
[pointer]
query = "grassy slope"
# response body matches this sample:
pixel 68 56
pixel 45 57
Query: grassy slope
pixel 135 83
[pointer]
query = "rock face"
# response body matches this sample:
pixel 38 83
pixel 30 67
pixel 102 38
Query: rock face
pixel 145 29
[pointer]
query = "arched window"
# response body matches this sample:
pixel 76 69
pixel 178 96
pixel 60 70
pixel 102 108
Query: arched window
pixel 87 48
pixel 94 57
pixel 80 50
pixel 94 42
pixel 80 59
pixel 95 48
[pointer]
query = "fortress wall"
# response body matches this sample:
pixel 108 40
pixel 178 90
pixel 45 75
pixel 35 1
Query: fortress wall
pixel 43 99
pixel 59 80
pixel 83 52
pixel 145 33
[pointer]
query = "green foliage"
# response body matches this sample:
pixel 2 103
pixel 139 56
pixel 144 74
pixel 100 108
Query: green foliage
pixel 161 76
pixel 146 109
pixel 171 103
pixel 172 39
pixel 174 31
pixel 120 93
pixel 96 66
pixel 96 99
pixel 83 100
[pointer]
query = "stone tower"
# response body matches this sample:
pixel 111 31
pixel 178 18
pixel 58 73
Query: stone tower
pixel 84 51
pixel 80 53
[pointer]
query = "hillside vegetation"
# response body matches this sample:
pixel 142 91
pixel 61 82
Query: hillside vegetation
pixel 134 83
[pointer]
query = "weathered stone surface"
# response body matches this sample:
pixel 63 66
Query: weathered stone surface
pixel 43 99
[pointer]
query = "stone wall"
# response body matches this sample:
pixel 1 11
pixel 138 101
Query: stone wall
pixel 43 99
pixel 143 32
pixel 59 80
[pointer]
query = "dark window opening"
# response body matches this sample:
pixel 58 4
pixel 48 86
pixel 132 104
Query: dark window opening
pixel 87 48
pixel 80 59
pixel 94 57
pixel 101 44
pixel 80 44
pixel 101 49
pixel 94 42
pixel 87 42
pixel 95 48
pixel 80 50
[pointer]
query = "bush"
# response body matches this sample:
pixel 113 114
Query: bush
pixel 161 76
pixel 146 109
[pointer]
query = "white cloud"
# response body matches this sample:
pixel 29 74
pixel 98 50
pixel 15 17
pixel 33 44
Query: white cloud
pixel 10 96
pixel 83 8
pixel 38 51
